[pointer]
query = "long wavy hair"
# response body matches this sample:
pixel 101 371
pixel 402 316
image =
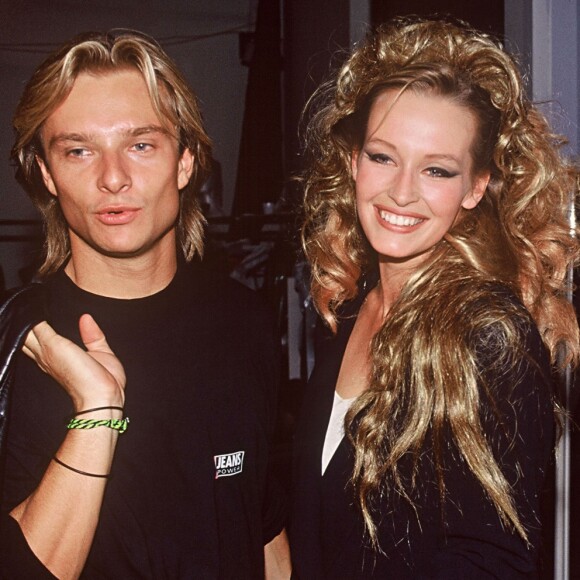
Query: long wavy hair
pixel 424 365
pixel 172 100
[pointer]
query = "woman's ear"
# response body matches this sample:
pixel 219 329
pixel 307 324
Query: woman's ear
pixel 477 192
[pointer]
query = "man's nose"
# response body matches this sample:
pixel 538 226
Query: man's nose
pixel 114 175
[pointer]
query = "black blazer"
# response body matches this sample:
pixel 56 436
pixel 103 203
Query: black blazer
pixel 326 529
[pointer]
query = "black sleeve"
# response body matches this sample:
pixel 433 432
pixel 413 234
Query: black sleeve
pixel 17 560
pixel 518 421
pixel 275 509
pixel 265 350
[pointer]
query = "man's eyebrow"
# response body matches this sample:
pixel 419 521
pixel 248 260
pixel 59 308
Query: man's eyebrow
pixel 62 137
pixel 137 131
pixel 87 137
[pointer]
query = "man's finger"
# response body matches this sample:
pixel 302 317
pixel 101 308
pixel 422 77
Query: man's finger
pixel 40 333
pixel 92 335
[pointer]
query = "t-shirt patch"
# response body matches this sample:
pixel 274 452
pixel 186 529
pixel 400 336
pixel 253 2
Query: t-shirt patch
pixel 229 464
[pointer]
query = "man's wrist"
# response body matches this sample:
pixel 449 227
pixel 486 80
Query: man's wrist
pixel 98 411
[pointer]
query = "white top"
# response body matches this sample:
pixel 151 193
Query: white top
pixel 335 430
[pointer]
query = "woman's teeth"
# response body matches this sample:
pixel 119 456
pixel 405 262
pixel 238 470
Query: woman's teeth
pixel 399 220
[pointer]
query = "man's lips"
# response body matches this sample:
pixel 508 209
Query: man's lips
pixel 117 215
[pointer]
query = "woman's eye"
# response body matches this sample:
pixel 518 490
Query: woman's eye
pixel 439 172
pixel 379 158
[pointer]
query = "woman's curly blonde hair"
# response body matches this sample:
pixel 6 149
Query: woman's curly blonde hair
pixel 425 375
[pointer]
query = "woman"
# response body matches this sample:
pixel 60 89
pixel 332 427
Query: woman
pixel 437 236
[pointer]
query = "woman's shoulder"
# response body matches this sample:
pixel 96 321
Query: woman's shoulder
pixel 491 319
pixel 482 310
pixel 511 356
pixel 499 314
pixel 492 296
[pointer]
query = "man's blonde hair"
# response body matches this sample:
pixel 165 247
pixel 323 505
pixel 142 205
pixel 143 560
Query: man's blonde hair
pixel 172 100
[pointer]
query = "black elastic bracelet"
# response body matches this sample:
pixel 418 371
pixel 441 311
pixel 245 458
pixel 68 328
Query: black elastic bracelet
pixel 78 470
pixel 96 409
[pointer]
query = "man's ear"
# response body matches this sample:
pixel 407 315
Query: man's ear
pixel 353 163
pixel 46 176
pixel 478 188
pixel 185 168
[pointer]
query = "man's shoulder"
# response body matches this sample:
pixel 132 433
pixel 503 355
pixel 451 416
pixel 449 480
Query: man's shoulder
pixel 217 288
pixel 213 302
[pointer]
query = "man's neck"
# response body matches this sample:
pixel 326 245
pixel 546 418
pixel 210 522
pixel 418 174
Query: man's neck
pixel 127 278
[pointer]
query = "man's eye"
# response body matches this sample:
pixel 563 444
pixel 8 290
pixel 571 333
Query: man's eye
pixel 77 152
pixel 142 146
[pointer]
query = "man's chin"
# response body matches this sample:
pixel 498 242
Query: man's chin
pixel 119 250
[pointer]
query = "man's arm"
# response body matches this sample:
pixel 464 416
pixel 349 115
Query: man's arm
pixel 277 558
pixel 59 518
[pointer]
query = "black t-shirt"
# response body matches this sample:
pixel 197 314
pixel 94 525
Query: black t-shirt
pixel 189 495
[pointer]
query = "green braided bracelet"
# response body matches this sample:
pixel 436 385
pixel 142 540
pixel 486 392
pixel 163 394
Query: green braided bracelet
pixel 118 424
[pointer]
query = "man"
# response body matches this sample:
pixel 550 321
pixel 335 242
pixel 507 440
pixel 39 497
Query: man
pixel 111 148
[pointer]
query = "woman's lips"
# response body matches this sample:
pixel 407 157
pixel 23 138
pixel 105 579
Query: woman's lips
pixel 404 222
